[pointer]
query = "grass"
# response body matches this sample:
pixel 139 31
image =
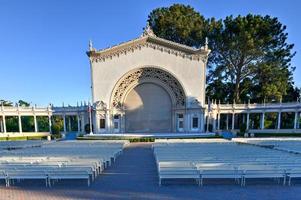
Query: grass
pixel 277 135
pixel 272 135
pixel 146 139
pixel 23 138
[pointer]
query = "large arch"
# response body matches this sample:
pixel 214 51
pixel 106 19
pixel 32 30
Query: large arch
pixel 152 75
pixel 147 100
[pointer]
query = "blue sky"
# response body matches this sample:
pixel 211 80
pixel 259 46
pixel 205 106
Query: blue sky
pixel 43 43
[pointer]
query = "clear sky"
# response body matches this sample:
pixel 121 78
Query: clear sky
pixel 43 42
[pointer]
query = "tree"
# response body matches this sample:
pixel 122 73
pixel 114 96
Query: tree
pixel 178 23
pixel 6 103
pixel 23 103
pixel 252 48
pixel 250 57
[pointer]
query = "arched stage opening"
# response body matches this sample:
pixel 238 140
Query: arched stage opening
pixel 148 108
pixel 147 100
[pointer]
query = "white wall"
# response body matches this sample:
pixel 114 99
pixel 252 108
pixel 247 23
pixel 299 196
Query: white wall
pixel 190 73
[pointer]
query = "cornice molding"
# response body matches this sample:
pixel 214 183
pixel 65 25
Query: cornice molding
pixel 148 41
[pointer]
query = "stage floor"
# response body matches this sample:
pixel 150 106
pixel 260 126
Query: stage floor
pixel 150 135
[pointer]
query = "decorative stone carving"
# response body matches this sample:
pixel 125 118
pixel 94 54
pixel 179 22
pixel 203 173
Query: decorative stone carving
pixel 130 49
pixel 101 105
pixel 195 103
pixel 148 31
pixel 148 73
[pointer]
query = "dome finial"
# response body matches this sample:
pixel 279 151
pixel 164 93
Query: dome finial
pixel 148 31
pixel 90 45
pixel 206 43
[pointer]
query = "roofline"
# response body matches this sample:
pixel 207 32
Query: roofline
pixel 150 39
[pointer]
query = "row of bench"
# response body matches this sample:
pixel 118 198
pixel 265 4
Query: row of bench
pixel 291 145
pixel 199 160
pixel 82 160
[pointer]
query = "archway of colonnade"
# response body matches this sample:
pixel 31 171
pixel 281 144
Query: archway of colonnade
pixel 267 120
pixel 26 123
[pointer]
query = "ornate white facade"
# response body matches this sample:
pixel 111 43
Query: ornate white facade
pixel 148 84
pixel 152 85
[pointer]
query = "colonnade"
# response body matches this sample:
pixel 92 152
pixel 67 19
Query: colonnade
pixel 19 112
pixel 66 113
pixel 220 116
pixel 230 111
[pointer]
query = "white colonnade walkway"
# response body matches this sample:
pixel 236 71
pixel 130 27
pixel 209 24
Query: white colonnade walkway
pixel 266 117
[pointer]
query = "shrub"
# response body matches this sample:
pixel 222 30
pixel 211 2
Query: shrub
pixel 55 129
pixel 210 127
pixel 56 136
pixel 142 139
pixel 87 128
pixel 242 128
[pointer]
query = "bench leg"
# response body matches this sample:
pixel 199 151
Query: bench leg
pixel 242 181
pixel 7 182
pixel 238 180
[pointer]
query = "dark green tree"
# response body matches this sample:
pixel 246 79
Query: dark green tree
pixel 27 123
pixel 12 123
pixel 23 103
pixel 178 23
pixel 250 57
pixel 6 103
pixel 252 48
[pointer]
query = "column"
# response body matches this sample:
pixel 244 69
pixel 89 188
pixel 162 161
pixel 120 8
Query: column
pixel 279 120
pixel 248 121
pixel 64 119
pixel 262 121
pixel 214 122
pixel 1 126
pixel 227 120
pixel 78 123
pixel 83 124
pixel 296 120
pixel 20 124
pixel 218 121
pixel 208 122
pixel 49 123
pixel 4 123
pixel 108 129
pixel 95 122
pixel 187 122
pixel 69 124
pixel 122 123
pixel 202 122
pixel 233 120
pixel 36 129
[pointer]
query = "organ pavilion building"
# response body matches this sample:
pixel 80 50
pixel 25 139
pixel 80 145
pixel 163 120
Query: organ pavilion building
pixel 152 85
pixel 148 85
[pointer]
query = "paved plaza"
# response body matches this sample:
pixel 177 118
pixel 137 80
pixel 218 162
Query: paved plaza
pixel 134 176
